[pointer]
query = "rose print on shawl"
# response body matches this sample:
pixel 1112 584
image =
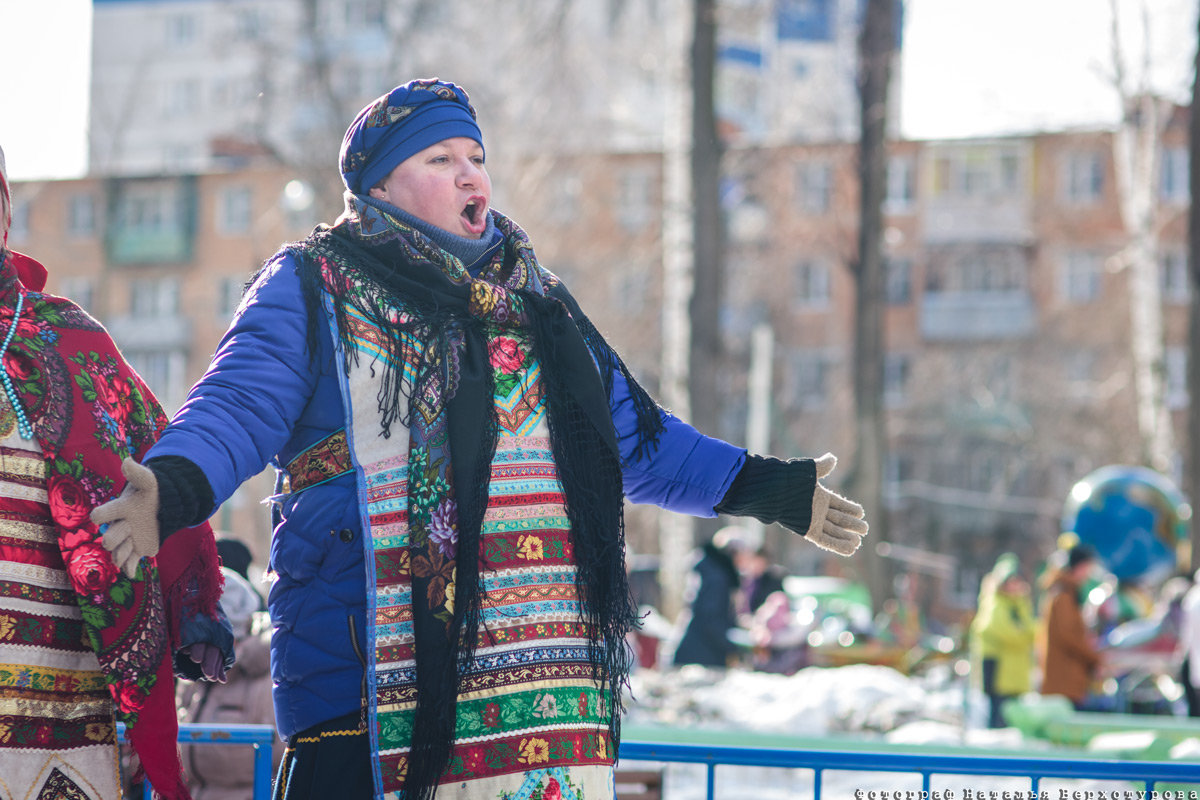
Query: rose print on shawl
pixel 103 591
pixel 111 393
pixel 508 358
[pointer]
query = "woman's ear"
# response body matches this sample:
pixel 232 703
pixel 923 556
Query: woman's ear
pixel 378 192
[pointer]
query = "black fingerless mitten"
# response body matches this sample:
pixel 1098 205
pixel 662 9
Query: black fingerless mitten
pixel 185 497
pixel 770 490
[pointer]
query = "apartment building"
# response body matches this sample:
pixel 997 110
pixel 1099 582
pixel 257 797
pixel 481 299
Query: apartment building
pixel 187 86
pixel 162 262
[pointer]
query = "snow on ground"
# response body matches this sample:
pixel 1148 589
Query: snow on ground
pixel 861 701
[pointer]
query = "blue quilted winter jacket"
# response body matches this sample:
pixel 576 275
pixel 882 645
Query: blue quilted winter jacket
pixel 264 401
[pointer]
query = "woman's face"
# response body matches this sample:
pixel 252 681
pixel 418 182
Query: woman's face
pixel 445 185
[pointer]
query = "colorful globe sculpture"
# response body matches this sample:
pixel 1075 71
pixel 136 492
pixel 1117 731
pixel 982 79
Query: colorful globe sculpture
pixel 1133 516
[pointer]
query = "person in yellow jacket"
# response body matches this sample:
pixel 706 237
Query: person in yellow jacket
pixel 1002 635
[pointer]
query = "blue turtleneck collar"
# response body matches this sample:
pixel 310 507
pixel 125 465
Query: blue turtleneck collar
pixel 473 253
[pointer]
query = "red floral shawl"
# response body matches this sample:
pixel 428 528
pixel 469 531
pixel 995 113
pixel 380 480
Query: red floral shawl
pixel 90 410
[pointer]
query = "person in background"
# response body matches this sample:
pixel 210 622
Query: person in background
pixel 1189 646
pixel 83 637
pixel 236 556
pixel 711 597
pixel 227 773
pixel 1069 657
pixel 760 578
pixel 456 442
pixel 1002 635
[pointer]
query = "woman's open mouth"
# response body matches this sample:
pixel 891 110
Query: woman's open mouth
pixel 474 215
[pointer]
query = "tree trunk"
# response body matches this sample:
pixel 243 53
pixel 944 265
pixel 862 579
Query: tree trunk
pixel 707 224
pixel 1136 145
pixel 676 530
pixel 1193 363
pixel 876 44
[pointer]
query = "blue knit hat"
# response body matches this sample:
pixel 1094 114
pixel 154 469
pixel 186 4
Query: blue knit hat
pixel 402 122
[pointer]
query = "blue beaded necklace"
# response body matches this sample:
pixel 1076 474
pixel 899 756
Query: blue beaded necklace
pixel 23 426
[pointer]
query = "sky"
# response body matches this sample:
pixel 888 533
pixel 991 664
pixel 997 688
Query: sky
pixel 969 68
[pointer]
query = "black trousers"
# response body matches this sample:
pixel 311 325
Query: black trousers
pixel 995 699
pixel 330 760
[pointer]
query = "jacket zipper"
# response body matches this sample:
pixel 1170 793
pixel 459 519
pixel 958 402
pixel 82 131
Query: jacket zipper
pixel 362 689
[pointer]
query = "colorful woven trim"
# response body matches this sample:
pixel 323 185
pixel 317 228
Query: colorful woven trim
pixel 321 462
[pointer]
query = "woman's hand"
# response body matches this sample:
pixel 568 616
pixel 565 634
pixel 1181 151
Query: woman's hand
pixel 130 522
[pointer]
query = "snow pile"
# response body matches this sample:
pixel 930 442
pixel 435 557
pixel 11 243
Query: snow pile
pixel 815 702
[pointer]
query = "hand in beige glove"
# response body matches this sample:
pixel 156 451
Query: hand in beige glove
pixel 790 493
pixel 837 523
pixel 131 519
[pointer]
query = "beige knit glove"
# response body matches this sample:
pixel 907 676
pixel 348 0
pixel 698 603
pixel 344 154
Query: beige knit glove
pixel 837 523
pixel 132 518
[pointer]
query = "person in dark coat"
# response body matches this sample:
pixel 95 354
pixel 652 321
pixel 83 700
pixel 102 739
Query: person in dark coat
pixel 711 595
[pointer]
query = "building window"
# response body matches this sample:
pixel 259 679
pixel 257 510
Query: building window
pixel 234 210
pixel 634 199
pixel 981 172
pixel 1079 374
pixel 896 369
pixel 901 184
pixel 1176 377
pixel 565 195
pixel 898 280
pixel 1173 177
pixel 809 380
pixel 1081 277
pixel 897 470
pixel 81 215
pixel 1083 178
pixel 163 372
pixel 151 298
pixel 984 470
pixel 1174 274
pixel 364 15
pixel 812 284
pixel 981 270
pixel 1000 379
pixel 248 24
pixel 229 297
pixel 148 210
pixel 182 97
pixel 180 30
pixel 78 289
pixel 18 229
pixel 814 186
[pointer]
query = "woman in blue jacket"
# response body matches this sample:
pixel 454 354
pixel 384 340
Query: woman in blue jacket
pixel 455 441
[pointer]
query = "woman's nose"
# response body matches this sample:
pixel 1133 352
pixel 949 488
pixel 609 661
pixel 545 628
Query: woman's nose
pixel 469 172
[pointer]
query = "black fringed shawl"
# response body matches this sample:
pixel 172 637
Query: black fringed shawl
pixel 577 374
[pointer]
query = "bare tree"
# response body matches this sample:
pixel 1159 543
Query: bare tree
pixel 876 46
pixel 1136 150
pixel 707 222
pixel 676 531
pixel 1193 368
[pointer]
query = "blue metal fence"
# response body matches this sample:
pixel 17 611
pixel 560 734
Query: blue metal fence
pixel 260 737
pixel 1149 773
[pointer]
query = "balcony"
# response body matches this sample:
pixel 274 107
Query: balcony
pixel 151 333
pixel 975 316
pixel 152 221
